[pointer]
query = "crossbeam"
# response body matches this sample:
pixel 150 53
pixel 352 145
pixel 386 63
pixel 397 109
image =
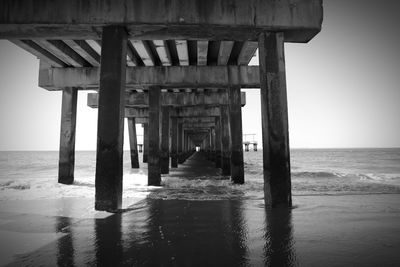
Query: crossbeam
pixel 165 77
pixel 180 112
pixel 185 120
pixel 172 99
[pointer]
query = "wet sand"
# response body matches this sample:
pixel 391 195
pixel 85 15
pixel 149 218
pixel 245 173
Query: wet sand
pixel 362 230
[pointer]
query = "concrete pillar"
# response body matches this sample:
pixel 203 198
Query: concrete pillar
pixel 180 143
pixel 218 142
pixel 165 140
pixel 110 131
pixel 140 148
pixel 275 133
pixel 255 146
pixel 235 115
pixel 246 147
pixel 225 136
pixel 154 174
pixel 133 143
pixel 145 142
pixel 212 141
pixel 174 142
pixel 66 162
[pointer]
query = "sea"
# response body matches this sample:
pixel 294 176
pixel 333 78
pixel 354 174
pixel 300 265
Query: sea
pixel 28 175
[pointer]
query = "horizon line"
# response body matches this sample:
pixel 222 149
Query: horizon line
pixel 260 149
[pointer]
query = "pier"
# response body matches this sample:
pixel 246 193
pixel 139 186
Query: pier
pixel 247 142
pixel 177 68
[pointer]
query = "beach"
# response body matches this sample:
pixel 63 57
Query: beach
pixel 204 220
pixel 360 230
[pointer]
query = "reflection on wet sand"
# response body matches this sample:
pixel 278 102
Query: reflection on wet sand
pixel 65 246
pixel 279 243
pixel 174 233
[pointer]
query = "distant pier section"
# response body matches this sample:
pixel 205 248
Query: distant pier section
pixel 248 139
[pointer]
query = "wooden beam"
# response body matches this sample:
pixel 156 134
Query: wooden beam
pixel 224 52
pixel 143 51
pixel 182 49
pixel 163 52
pixel 166 77
pixel 149 20
pixel 247 52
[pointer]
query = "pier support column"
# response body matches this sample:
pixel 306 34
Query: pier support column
pixel 212 132
pixel 110 131
pixel 180 143
pixel 225 130
pixel 275 133
pixel 235 115
pixel 174 142
pixel 133 143
pixel 165 140
pixel 154 174
pixel 218 142
pixel 66 162
pixel 145 142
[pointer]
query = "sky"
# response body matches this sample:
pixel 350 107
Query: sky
pixel 343 88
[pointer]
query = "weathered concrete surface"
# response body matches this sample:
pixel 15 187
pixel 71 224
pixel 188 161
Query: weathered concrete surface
pixel 145 142
pixel 154 175
pixel 66 162
pixel 186 120
pixel 300 20
pixel 172 99
pixel 164 153
pixel 166 77
pixel 133 143
pixel 274 111
pixel 174 142
pixel 180 143
pixel 177 112
pixel 218 144
pixel 110 130
pixel 235 116
pixel 226 141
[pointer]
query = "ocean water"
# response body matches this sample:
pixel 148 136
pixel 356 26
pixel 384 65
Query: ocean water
pixel 33 175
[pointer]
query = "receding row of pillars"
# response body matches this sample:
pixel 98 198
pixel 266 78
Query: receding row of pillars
pixel 223 141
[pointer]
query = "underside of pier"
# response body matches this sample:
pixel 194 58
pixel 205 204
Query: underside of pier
pixel 176 67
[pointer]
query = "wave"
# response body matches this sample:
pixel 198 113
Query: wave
pixel 359 176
